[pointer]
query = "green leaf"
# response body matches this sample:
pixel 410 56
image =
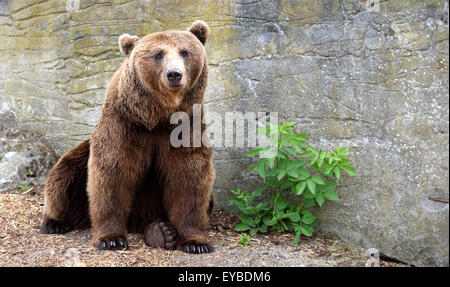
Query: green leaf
pixel 263 228
pixel 320 199
pixel 245 239
pixel 297 236
pixel 308 194
pixel 306 230
pixel 303 172
pixel 258 191
pixel 306 154
pixel 290 150
pixel 281 203
pixel 329 186
pixel 309 202
pixel 337 173
pixel 278 228
pixel 295 164
pixel 315 166
pixel 331 195
pixel 271 222
pixel 299 145
pixel 269 154
pixel 234 201
pixel 286 185
pixel 300 187
pixel 294 173
pixel 253 231
pixel 236 191
pixel 313 150
pixel 327 169
pixel 285 227
pixel 293 216
pixel 273 172
pixel 241 227
pixel 301 137
pixel 308 219
pixel 271 162
pixel 261 206
pixel 349 170
pixel 249 210
pixel 261 168
pixel 283 163
pixel 282 155
pixel 254 152
pixel 267 218
pixel 313 159
pixel 272 182
pixel 319 163
pixel 311 186
pixel 322 156
pixel 281 174
pixel 306 212
pixel 317 179
pixel 247 220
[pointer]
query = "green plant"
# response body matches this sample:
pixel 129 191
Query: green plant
pixel 23 187
pixel 291 166
pixel 245 239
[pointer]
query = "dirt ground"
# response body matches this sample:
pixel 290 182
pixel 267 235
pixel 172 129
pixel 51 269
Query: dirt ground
pixel 21 244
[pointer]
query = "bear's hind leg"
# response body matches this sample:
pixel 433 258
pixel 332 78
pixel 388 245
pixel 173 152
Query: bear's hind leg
pixel 66 204
pixel 161 234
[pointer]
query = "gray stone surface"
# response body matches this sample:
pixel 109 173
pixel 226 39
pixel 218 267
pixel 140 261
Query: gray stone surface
pixel 371 77
pixel 24 159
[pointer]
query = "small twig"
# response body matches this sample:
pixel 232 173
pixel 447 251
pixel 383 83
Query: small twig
pixel 437 199
pixel 28 191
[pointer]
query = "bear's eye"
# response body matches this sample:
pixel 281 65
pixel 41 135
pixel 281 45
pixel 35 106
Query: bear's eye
pixel 159 56
pixel 184 53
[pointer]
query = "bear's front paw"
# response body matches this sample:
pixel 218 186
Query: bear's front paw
pixel 161 235
pixel 197 248
pixel 51 226
pixel 112 244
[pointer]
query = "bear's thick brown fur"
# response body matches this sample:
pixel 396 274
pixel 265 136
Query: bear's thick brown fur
pixel 128 177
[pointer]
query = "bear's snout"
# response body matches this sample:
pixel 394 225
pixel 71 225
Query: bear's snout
pixel 174 76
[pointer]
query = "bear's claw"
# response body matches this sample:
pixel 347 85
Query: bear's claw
pixel 161 235
pixel 112 244
pixel 51 226
pixel 197 248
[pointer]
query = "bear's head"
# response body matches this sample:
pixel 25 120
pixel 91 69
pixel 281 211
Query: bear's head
pixel 168 63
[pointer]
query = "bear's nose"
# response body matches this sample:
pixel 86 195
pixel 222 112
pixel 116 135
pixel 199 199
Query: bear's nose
pixel 174 75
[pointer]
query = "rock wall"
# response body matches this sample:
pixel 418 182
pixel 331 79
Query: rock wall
pixel 368 74
pixel 24 159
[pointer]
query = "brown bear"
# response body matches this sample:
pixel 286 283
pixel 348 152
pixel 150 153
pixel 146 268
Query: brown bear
pixel 128 177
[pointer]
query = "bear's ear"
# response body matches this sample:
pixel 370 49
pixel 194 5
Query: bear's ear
pixel 200 29
pixel 127 43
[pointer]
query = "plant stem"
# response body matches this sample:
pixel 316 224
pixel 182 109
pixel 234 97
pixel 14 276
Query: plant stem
pixel 275 204
pixel 301 204
pixel 279 185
